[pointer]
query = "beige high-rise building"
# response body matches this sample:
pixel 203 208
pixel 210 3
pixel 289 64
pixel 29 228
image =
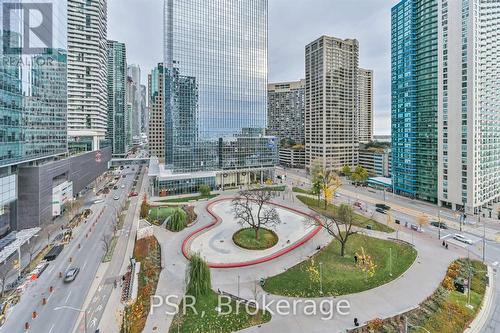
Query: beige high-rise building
pixel 156 129
pixel 332 104
pixel 365 86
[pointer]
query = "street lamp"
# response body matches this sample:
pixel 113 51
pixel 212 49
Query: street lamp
pixel 77 310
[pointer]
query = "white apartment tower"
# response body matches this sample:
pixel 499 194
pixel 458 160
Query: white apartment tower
pixel 332 104
pixel 365 94
pixel 468 103
pixel 87 71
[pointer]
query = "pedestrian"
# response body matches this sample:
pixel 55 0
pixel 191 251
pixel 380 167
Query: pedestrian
pixel 447 246
pixel 356 323
pixel 444 243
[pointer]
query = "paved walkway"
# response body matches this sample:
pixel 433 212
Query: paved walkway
pixel 400 295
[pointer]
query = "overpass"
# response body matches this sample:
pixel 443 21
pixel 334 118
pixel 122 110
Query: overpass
pixel 116 162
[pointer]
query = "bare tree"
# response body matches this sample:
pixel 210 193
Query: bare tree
pixel 106 240
pixel 252 208
pixel 338 226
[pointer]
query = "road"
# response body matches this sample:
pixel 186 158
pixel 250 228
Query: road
pixel 86 252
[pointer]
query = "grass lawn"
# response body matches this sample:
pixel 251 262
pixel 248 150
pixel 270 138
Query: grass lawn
pixel 359 220
pixel 245 238
pixel 301 190
pixel 340 275
pixel 107 257
pixel 159 214
pixel 213 322
pixel 192 198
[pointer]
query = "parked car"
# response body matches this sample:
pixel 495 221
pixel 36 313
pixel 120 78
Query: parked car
pixel 115 187
pixel 71 274
pixel 463 239
pixel 383 206
pixel 441 225
pixel 123 186
pixel 133 194
pixel 357 204
pixel 397 221
pixel 380 210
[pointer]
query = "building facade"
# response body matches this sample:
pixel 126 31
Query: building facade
pixel 445 112
pixel 117 99
pixel 134 73
pixel 156 128
pixel 365 95
pixel 376 161
pixel 285 110
pixel 87 73
pixel 294 157
pixel 468 103
pixel 414 98
pixel 216 87
pixel 332 103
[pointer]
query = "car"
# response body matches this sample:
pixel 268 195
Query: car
pixel 397 221
pixel 381 211
pixel 71 274
pixel 116 197
pixel 123 186
pixel 124 176
pixel 441 225
pixel 98 201
pixel 383 206
pixel 133 194
pixel 115 187
pixel 357 204
pixel 463 239
pixel 337 195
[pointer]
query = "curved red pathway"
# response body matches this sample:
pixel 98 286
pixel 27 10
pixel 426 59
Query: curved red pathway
pixel 217 220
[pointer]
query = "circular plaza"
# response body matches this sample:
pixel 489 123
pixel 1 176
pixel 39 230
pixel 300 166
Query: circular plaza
pixel 215 244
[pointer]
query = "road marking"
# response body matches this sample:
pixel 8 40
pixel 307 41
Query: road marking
pixel 93 322
pixel 99 308
pixel 85 264
pixel 67 297
pixel 51 328
pixel 495 263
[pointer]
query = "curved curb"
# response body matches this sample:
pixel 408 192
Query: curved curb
pixel 217 220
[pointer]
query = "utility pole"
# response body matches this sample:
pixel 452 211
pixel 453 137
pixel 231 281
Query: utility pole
pixel 439 223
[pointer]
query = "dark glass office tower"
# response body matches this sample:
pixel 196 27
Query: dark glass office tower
pixel 216 86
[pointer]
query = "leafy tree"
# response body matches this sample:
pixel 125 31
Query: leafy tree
pixel 338 226
pixel 360 174
pixel 205 190
pixel 326 180
pixel 346 171
pixel 178 220
pixel 365 263
pixel 198 277
pixel 422 220
pixel 144 208
pixel 252 208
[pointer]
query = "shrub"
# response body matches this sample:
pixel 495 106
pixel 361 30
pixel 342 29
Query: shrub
pixel 204 190
pixel 448 283
pixel 191 215
pixel 144 208
pixel 178 220
pixel 198 278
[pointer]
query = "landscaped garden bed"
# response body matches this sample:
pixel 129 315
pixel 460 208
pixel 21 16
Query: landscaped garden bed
pixel 359 220
pixel 246 238
pixel 147 252
pixel 191 198
pixel 446 310
pixel 329 274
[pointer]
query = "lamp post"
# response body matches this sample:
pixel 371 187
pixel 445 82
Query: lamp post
pixel 77 310
pixel 439 223
pixel 321 278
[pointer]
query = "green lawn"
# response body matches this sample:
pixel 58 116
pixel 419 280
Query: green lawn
pixel 245 238
pixel 107 257
pixel 340 275
pixel 208 320
pixel 160 214
pixel 192 198
pixel 301 190
pixel 359 220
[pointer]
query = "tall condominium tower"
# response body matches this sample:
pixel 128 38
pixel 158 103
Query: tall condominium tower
pixel 216 90
pixel 445 104
pixel 134 72
pixel 365 94
pixel 332 105
pixel 156 128
pixel 87 73
pixel 285 110
pixel 117 100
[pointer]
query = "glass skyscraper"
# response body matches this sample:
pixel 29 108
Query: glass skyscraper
pixel 414 98
pixel 216 86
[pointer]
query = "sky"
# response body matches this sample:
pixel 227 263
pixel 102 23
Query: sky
pixel 292 25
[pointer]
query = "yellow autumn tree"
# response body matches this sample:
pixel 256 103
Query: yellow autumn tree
pixel 366 264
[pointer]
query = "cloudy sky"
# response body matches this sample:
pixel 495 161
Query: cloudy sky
pixel 292 25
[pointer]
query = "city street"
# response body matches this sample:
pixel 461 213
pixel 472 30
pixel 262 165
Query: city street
pixel 85 251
